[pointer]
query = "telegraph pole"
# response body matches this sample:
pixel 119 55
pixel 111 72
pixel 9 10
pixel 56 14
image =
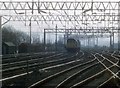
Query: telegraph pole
pixel 56 39
pixel 44 40
pixel 119 26
pixel 30 31
pixel 1 49
pixel 0 36
pixel 119 35
pixel 113 40
pixel 110 41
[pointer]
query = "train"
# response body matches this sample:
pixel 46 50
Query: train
pixel 23 48
pixel 72 45
pixel 28 48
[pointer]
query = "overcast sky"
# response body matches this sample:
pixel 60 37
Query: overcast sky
pixel 107 41
pixel 60 0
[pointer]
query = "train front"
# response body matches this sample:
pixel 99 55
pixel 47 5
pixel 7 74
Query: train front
pixel 72 45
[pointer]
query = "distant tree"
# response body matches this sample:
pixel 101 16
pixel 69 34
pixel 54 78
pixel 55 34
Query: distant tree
pixel 10 34
pixel 61 40
pixel 36 40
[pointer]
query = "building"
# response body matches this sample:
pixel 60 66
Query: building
pixel 8 48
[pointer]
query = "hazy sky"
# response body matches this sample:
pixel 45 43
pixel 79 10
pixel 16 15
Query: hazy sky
pixel 27 28
pixel 60 0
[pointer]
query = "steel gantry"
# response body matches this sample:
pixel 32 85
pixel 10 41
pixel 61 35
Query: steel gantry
pixel 76 13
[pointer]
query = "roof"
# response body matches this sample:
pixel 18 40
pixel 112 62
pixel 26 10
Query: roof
pixel 9 43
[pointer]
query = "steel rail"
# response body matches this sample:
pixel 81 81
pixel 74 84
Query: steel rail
pixel 90 78
pixel 74 75
pixel 106 69
pixel 31 65
pixel 22 61
pixel 57 74
pixel 107 80
pixel 109 60
pixel 15 76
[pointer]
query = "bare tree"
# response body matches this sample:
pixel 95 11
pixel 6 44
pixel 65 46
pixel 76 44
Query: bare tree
pixel 10 34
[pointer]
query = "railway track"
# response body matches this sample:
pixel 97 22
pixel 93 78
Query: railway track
pixel 62 74
pixel 21 57
pixel 22 68
pixel 78 70
pixel 108 73
pixel 30 60
pixel 82 74
pixel 45 67
pixel 22 65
